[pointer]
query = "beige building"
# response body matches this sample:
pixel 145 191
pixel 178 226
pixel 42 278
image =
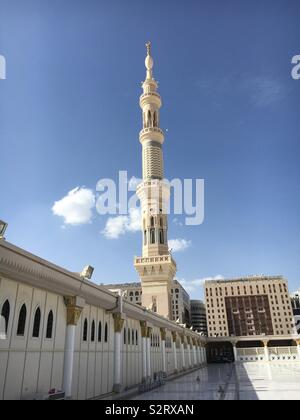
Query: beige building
pixel 251 306
pixel 180 299
pixel 156 267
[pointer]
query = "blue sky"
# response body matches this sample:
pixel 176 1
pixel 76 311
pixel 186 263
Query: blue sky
pixel 69 116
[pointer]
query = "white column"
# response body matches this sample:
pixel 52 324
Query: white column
pixel 74 308
pixel 189 356
pixel 200 355
pixel 69 360
pixel 117 357
pixel 298 349
pixel 175 357
pixel 163 345
pixel 144 350
pixel 183 356
pixel 235 353
pixel 118 327
pixel 149 357
pixel 195 356
pixel 204 355
pixel 267 357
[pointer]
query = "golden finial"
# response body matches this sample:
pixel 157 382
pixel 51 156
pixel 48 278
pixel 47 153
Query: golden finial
pixel 148 46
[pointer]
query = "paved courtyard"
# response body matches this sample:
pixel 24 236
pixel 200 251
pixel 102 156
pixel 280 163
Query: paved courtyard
pixel 249 381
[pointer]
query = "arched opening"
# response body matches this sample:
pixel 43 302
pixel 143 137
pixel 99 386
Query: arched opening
pixel 5 313
pixel 100 332
pixel 161 237
pixel 129 336
pixel 152 221
pixel 49 330
pixel 149 122
pixel 136 338
pixel 125 336
pixel 93 332
pixel 22 321
pixel 85 330
pixel 36 324
pixel 145 237
pixel 106 333
pixel 152 236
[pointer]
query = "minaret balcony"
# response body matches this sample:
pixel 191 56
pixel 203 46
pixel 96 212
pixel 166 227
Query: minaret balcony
pixel 152 133
pixel 150 98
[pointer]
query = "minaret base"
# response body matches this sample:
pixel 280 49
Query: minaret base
pixel 156 274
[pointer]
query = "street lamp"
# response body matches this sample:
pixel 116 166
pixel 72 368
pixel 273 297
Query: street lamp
pixel 87 272
pixel 3 227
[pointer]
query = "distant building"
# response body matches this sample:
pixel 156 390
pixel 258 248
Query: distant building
pixel 180 299
pixel 295 299
pixel 257 305
pixel 198 316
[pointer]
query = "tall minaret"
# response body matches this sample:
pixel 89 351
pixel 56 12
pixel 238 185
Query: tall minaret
pixel 156 268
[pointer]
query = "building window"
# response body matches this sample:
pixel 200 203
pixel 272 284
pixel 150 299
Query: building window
pixel 36 324
pixel 85 330
pixel 49 330
pixel 152 236
pixel 22 321
pixel 100 332
pixel 5 312
pixel 161 237
pixel 136 338
pixel 106 333
pixel 133 337
pixel 93 332
pixel 125 332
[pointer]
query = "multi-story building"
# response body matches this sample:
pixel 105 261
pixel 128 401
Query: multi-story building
pixel 250 306
pixel 198 316
pixel 295 299
pixel 180 299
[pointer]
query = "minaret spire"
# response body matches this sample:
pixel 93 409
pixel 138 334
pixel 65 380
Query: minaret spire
pixel 157 267
pixel 149 62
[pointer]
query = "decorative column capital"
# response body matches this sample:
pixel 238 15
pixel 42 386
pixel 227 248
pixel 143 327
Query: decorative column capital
pixel 188 339
pixel 118 322
pixel 182 337
pixel 74 309
pixel 174 336
pixel 149 332
pixel 265 343
pixel 163 334
pixel 144 329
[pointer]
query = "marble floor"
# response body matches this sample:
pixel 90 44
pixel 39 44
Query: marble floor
pixel 249 381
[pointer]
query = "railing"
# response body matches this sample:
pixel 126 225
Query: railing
pixel 146 95
pixel 157 381
pixel 151 130
pixel 163 258
pixel 275 354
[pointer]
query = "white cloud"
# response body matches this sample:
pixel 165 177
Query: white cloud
pixel 117 226
pixel 76 207
pixel 265 91
pixel 179 244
